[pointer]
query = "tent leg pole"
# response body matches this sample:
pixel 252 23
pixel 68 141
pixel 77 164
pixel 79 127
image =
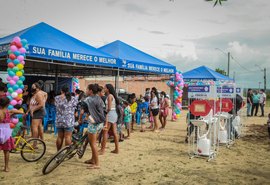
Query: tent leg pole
pixel 117 82
pixel 56 80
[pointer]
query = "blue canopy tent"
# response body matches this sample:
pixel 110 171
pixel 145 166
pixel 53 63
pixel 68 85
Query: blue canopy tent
pixel 205 73
pixel 136 60
pixel 52 50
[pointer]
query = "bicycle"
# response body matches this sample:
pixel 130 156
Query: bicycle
pixel 33 147
pixel 78 147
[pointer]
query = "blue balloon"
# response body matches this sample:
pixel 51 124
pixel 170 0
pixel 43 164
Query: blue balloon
pixel 10 107
pixel 9 97
pixel 8 85
pixel 9 60
pixel 22 78
pixel 16 61
pixel 11 73
pixel 15 87
pixel 17 53
pixel 9 69
pixel 21 86
pixel 24 42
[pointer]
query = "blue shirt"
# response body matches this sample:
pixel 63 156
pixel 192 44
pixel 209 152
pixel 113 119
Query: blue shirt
pixel 256 98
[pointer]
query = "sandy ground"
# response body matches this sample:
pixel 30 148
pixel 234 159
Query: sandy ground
pixel 150 158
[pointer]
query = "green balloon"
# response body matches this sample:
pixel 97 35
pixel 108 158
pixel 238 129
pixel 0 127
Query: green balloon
pixel 9 51
pixel 15 69
pixel 10 90
pixel 22 71
pixel 19 82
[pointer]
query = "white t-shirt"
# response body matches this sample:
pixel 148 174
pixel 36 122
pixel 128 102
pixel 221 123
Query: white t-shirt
pixel 262 98
pixel 154 103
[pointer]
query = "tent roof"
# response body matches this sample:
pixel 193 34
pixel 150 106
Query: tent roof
pixel 204 72
pixel 49 43
pixel 134 59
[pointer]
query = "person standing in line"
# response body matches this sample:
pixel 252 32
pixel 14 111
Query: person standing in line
pixel 164 109
pixel 37 110
pixel 65 119
pixel 154 107
pixel 111 119
pixel 93 104
pixel 262 101
pixel 249 102
pixel 255 105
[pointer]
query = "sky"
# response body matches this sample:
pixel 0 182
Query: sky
pixel 186 33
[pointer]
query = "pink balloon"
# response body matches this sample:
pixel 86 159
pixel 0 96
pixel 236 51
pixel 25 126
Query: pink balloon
pixel 20 58
pixel 13 48
pixel 20 102
pixel 22 50
pixel 8 94
pixel 9 78
pixel 19 91
pixel 12 82
pixel 22 62
pixel 13 102
pixel 17 39
pixel 15 78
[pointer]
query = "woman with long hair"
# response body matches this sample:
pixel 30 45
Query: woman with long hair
pixel 164 109
pixel 37 110
pixel 93 105
pixel 65 119
pixel 154 107
pixel 111 118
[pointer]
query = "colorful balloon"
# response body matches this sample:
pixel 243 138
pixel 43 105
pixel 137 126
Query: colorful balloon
pixel 12 56
pixel 19 73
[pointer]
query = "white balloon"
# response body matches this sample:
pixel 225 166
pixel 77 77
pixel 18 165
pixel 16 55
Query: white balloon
pixel 14 95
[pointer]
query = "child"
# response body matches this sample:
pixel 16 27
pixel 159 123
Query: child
pixel 6 141
pixel 144 117
pixel 133 108
pixel 268 124
pixel 127 118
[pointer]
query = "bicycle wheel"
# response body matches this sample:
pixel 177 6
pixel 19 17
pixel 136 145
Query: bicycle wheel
pixel 56 160
pixel 33 150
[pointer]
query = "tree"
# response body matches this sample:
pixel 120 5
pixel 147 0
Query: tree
pixel 221 71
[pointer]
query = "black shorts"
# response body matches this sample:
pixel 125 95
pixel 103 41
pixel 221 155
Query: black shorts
pixel 269 130
pixel 154 112
pixel 39 114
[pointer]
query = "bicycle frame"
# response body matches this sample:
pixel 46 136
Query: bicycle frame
pixel 18 140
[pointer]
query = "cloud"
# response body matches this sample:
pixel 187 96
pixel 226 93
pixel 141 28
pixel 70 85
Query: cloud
pixel 164 12
pixel 172 45
pixel 111 2
pixel 134 8
pixel 152 31
pixel 157 32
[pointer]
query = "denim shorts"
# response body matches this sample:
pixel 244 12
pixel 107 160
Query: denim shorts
pixel 68 129
pixel 95 128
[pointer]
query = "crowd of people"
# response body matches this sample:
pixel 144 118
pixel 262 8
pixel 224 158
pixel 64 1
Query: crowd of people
pixel 255 99
pixel 99 108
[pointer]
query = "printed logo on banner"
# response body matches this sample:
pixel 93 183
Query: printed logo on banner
pixel 200 92
pixel 225 90
pixel 198 89
pixel 238 90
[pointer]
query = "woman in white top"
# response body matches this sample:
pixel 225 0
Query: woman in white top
pixel 111 118
pixel 154 108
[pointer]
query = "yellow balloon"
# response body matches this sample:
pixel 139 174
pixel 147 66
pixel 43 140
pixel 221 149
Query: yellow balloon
pixel 20 95
pixel 19 73
pixel 20 66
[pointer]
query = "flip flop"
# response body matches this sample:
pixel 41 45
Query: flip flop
pixel 93 167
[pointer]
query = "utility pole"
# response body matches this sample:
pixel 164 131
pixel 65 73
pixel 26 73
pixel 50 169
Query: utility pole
pixel 228 71
pixel 264 77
